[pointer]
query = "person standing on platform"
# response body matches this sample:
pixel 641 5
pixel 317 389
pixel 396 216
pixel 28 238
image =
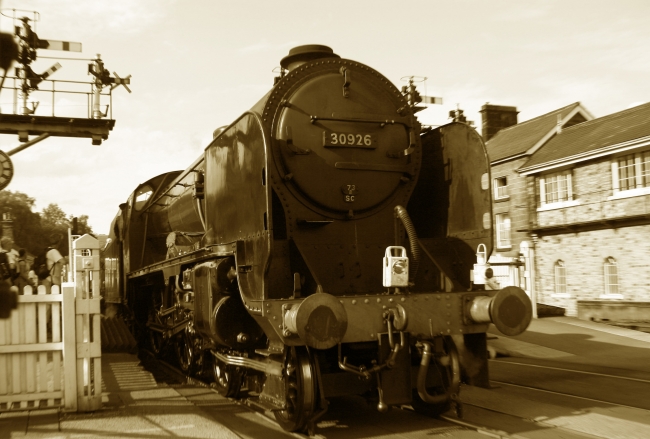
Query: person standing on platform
pixel 54 261
pixel 490 281
pixel 33 277
pixel 22 272
pixel 8 260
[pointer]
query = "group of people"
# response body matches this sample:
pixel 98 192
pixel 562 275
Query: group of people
pixel 22 274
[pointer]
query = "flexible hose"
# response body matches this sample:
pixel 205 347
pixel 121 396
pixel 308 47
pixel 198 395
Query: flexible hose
pixel 454 379
pixel 403 215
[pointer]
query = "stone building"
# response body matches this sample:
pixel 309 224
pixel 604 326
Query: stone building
pixel 510 146
pixel 589 201
pixel 577 191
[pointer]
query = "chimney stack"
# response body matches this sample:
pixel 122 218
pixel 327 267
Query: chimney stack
pixel 495 118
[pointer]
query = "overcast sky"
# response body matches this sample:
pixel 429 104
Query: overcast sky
pixel 197 65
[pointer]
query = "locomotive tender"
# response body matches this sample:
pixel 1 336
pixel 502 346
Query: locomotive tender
pixel 321 246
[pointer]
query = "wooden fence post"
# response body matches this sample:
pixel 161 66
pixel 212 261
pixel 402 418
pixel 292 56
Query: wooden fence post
pixel 69 348
pixel 88 323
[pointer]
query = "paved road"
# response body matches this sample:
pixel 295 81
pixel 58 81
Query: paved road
pixel 605 368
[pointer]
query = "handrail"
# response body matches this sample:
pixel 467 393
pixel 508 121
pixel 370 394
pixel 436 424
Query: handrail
pixel 55 93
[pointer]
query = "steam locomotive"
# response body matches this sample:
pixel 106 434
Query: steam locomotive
pixel 320 246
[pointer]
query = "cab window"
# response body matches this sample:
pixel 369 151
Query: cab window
pixel 141 197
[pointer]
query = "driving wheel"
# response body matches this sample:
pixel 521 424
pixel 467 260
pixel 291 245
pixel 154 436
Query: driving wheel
pixel 186 353
pixel 156 340
pixel 227 378
pixel 301 388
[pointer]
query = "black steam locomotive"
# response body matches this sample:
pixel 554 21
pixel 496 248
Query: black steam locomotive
pixel 321 246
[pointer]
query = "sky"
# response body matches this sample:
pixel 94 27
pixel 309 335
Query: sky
pixel 198 64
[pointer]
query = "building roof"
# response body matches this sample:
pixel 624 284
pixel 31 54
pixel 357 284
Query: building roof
pixel 600 136
pixel 528 136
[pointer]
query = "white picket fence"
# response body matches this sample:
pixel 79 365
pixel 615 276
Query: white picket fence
pixel 31 351
pixel 50 347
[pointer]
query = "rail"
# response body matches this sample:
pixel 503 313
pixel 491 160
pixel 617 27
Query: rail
pixel 58 95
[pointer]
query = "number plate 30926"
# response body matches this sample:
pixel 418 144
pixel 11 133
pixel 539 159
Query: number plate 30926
pixel 335 139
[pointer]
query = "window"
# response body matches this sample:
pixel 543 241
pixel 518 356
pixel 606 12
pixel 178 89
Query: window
pixel 555 188
pixel 631 172
pixel 503 230
pixel 141 197
pixel 611 278
pixel 645 168
pixel 501 187
pixel 560 279
pixel 626 178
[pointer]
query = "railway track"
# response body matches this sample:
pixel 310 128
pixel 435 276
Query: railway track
pixel 354 418
pixel 558 401
pixel 593 385
pixel 514 408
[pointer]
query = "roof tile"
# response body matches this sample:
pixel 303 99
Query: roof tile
pixel 592 135
pixel 519 138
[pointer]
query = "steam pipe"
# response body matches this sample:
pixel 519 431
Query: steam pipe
pixel 403 215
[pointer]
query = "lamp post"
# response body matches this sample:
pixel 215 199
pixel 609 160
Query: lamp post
pixel 528 252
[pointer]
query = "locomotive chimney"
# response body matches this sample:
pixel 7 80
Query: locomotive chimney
pixel 301 54
pixel 496 118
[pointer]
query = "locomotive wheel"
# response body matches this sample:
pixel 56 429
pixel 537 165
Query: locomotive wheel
pixel 227 379
pixel 301 391
pixel 449 375
pixel 156 340
pixel 186 353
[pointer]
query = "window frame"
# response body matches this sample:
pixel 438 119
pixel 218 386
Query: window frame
pixel 500 242
pixel 141 196
pixel 497 187
pixel 568 179
pixel 641 174
pixel 560 283
pixel 610 272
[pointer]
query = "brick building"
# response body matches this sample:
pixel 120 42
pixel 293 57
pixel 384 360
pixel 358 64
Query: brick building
pixel 589 195
pixel 510 146
pixel 577 189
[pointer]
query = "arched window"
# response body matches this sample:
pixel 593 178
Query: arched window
pixel 560 278
pixel 611 276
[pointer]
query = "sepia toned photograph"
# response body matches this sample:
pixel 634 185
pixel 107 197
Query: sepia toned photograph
pixel 332 220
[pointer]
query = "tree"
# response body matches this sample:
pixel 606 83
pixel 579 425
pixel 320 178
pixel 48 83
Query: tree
pixel 53 216
pixel 82 225
pixel 54 222
pixel 33 231
pixel 26 223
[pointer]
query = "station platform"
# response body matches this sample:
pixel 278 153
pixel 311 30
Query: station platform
pixel 136 406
